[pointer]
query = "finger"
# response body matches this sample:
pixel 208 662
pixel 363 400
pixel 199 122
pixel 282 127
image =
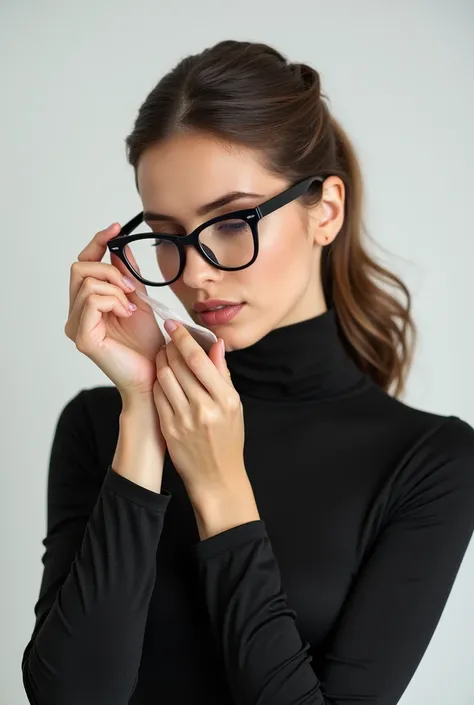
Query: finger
pixel 97 247
pixel 218 358
pixel 199 362
pixel 98 270
pixel 92 313
pixel 163 406
pixel 89 287
pixel 191 387
pixel 171 385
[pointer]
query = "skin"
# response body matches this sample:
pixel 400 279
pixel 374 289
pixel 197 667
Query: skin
pixel 177 396
pixel 187 170
pixel 201 416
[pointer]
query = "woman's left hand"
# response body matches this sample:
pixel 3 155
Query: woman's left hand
pixel 201 416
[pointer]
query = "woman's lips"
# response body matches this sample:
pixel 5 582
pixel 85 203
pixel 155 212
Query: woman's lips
pixel 221 316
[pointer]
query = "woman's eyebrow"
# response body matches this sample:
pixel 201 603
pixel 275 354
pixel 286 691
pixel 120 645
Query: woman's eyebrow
pixel 208 207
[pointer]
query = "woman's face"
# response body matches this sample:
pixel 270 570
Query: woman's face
pixel 283 285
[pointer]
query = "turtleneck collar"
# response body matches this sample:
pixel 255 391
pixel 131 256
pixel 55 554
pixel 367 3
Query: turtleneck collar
pixel 303 361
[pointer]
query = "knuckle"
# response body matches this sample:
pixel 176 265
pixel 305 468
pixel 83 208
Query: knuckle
pixel 207 417
pixel 88 284
pixel 163 372
pixel 195 359
pixel 92 300
pixel 186 423
pixel 174 433
pixel 174 361
pixel 171 355
pixel 232 402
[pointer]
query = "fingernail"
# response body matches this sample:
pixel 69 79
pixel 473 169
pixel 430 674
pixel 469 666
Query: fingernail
pixel 132 307
pixel 223 348
pixel 128 283
pixel 170 326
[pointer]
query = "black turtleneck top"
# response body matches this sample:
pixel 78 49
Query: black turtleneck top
pixel 366 506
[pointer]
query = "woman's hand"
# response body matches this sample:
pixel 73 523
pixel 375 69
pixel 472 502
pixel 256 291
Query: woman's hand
pixel 201 416
pixel 124 344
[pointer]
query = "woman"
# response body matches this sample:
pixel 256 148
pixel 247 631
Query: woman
pixel 268 526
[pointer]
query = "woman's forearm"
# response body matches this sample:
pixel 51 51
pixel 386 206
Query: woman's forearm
pixel 140 450
pixel 100 568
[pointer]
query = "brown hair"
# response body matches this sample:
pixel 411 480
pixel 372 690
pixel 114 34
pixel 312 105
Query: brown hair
pixel 247 93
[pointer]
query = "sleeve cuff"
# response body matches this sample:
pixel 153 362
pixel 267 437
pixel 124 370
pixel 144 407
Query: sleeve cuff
pixel 122 486
pixel 230 539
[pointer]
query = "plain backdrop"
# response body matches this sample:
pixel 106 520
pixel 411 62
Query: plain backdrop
pixel 73 74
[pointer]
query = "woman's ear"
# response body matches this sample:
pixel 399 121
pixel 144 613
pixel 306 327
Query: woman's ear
pixel 329 212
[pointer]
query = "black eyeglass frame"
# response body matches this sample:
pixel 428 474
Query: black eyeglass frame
pixel 251 215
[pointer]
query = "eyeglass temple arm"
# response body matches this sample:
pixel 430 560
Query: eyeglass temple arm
pixel 289 195
pixel 131 225
pixel 263 209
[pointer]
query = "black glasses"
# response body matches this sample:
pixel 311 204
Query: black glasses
pixel 229 242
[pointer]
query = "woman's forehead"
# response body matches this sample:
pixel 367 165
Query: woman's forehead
pixel 187 172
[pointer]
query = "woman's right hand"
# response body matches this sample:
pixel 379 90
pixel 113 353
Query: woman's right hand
pixel 124 344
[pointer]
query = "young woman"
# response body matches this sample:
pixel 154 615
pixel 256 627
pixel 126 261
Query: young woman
pixel 271 526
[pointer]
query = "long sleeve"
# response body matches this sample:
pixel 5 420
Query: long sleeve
pixel 393 608
pixel 98 578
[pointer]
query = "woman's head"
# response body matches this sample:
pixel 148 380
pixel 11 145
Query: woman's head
pixel 178 176
pixel 239 118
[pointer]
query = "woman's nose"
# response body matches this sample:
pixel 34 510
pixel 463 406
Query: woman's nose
pixel 197 268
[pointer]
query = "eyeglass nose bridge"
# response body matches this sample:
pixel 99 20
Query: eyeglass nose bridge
pixel 192 240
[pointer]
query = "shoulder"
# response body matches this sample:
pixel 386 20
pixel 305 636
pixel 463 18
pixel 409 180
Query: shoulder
pixel 436 473
pixel 455 438
pixel 447 436
pixel 448 453
pixel 423 448
pixel 415 427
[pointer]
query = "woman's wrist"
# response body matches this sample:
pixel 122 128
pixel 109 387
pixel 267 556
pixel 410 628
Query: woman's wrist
pixel 140 451
pixel 138 404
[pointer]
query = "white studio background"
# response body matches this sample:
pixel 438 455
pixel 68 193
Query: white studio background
pixel 73 75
